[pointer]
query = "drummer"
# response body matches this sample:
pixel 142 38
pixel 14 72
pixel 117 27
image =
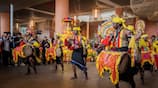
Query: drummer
pixel 77 55
pixel 59 52
pixel 30 60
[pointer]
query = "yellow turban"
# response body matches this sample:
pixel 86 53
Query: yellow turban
pixel 58 34
pixel 36 44
pixel 144 36
pixel 84 38
pixel 118 20
pixel 77 28
pixel 131 28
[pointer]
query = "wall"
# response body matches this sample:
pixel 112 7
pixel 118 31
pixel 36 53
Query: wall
pixel 151 28
pixel 46 28
pixel 4 23
pixel 93 29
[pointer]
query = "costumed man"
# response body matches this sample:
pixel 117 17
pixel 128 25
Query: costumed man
pixel 145 47
pixel 121 35
pixel 133 46
pixel 31 59
pixel 112 60
pixel 59 52
pixel 45 44
pixel 77 54
pixel 36 46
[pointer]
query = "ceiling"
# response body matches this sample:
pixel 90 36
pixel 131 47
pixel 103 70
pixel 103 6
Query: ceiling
pixel 24 9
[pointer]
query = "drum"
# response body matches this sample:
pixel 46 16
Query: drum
pixel 146 57
pixel 27 50
pixel 113 62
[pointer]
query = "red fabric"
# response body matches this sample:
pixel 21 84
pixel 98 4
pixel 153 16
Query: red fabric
pixel 66 42
pixel 109 61
pixel 156 60
pixel 129 51
pixel 106 41
pixel 22 43
pixel 71 48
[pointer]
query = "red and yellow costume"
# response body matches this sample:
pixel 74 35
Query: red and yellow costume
pixel 155 52
pixel 50 53
pixel 18 52
pixel 133 48
pixel 146 54
pixel 109 61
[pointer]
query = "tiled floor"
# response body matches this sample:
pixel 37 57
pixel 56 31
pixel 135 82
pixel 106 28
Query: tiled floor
pixel 14 77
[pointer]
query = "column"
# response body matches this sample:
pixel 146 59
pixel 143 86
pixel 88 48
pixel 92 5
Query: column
pixel 4 23
pixel 87 30
pixel 61 11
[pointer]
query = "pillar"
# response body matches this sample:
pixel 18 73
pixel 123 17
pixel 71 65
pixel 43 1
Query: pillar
pixel 61 11
pixel 4 23
pixel 87 30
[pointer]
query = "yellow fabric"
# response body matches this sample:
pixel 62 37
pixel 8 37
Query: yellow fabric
pixel 77 28
pixel 38 59
pixel 36 44
pixel 131 28
pixel 144 36
pixel 67 54
pixel 102 65
pixel 51 45
pixel 143 43
pixel 123 24
pixel 117 20
pixel 58 34
pixel 132 45
pixel 155 47
pixel 91 53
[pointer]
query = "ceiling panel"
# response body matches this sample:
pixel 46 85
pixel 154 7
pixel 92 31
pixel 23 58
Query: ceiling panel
pixel 121 2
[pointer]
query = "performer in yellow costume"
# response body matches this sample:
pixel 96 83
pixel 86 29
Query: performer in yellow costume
pixel 59 52
pixel 145 46
pixel 110 60
pixel 77 55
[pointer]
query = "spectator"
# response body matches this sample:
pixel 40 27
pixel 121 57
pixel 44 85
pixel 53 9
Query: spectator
pixel 5 49
pixel 1 50
pixel 45 44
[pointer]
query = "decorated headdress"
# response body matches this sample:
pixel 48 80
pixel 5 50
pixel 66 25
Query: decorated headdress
pixel 144 36
pixel 58 34
pixel 68 19
pixel 131 28
pixel 118 20
pixel 76 28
